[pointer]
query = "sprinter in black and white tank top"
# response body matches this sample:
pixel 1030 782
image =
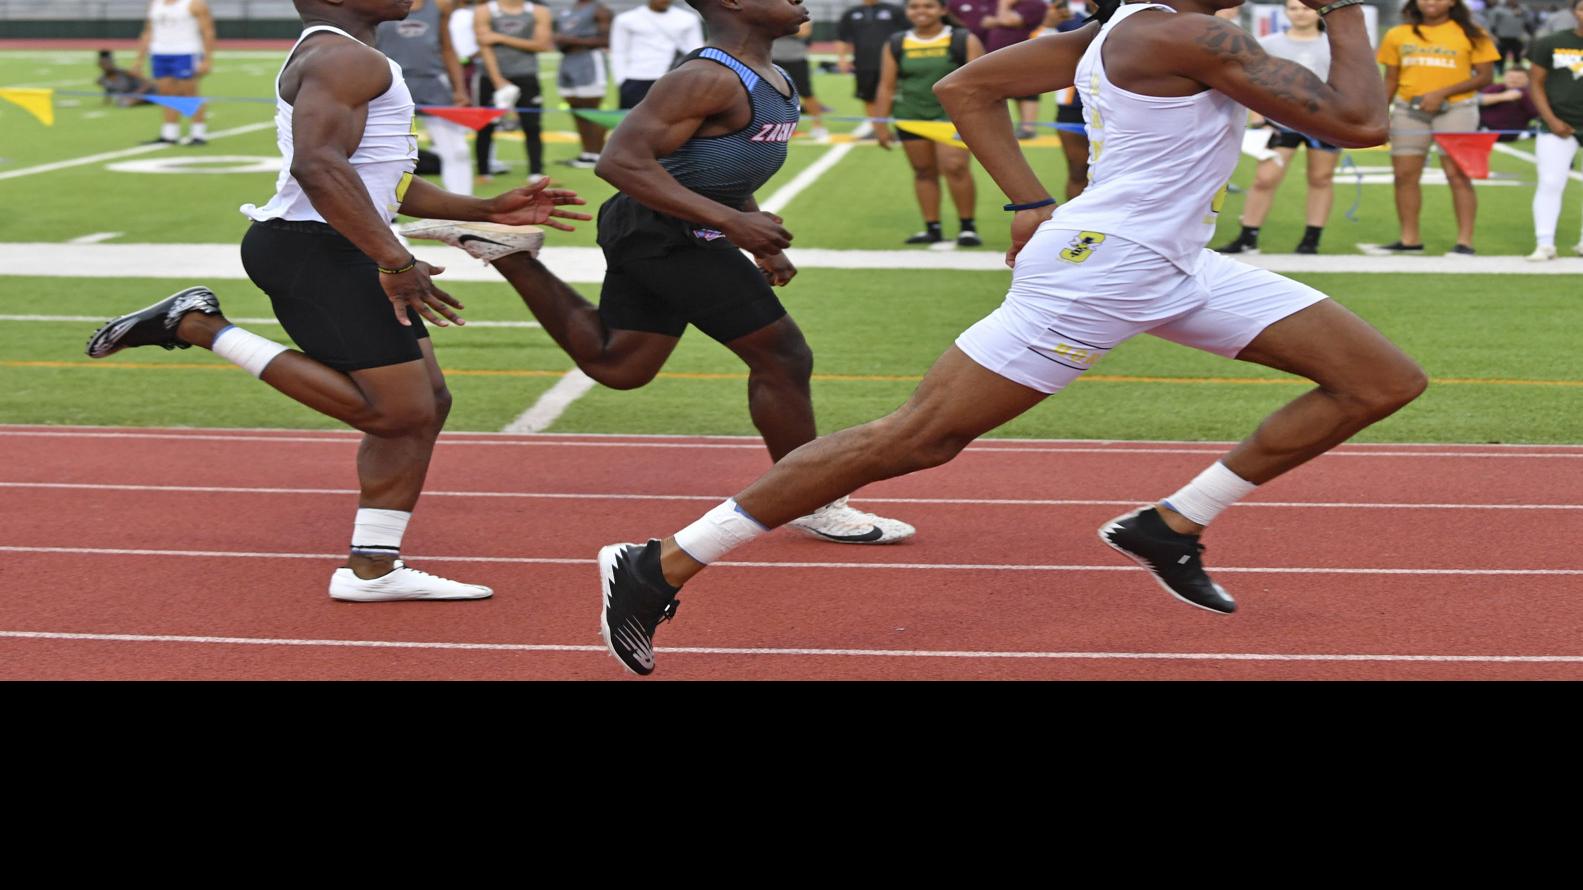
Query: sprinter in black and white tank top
pixel 345 288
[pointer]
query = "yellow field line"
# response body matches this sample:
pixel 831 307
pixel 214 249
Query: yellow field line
pixel 829 378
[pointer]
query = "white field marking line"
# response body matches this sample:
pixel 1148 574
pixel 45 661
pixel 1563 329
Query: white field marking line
pixel 807 652
pixel 253 321
pixel 905 566
pixel 557 443
pixel 125 153
pixel 549 407
pixel 1210 446
pixel 810 174
pixel 716 498
pixel 1531 158
pixel 95 238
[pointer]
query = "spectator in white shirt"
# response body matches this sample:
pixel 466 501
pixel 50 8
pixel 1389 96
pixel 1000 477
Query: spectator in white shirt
pixel 646 42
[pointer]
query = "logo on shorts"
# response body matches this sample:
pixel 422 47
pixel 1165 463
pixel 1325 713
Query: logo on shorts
pixel 1082 248
pixel 708 234
pixel 1076 355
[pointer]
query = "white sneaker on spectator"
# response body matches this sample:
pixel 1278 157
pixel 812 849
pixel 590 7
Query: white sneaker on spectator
pixel 836 521
pixel 485 241
pixel 1541 253
pixel 402 583
pixel 506 97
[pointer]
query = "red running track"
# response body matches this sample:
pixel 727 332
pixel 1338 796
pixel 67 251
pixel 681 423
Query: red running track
pixel 205 554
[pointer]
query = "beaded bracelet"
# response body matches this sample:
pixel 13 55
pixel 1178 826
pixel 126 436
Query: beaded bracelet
pixel 412 262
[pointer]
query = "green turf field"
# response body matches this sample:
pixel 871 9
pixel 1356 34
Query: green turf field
pixel 1501 348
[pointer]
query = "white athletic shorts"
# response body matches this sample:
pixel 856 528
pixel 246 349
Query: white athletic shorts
pixel 1077 295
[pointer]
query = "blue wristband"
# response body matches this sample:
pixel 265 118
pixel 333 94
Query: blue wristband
pixel 1034 206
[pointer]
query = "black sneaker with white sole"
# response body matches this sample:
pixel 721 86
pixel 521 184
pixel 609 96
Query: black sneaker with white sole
pixel 636 599
pixel 1175 559
pixel 153 325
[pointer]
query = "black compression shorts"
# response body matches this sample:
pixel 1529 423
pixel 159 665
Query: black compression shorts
pixel 720 292
pixel 327 296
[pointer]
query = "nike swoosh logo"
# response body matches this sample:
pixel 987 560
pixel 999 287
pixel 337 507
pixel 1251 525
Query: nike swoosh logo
pixel 466 238
pixel 873 534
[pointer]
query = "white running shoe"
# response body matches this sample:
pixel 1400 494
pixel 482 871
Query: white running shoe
pixel 1542 253
pixel 847 525
pixel 402 583
pixel 506 97
pixel 486 241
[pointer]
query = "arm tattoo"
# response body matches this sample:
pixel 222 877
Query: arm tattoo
pixel 1281 78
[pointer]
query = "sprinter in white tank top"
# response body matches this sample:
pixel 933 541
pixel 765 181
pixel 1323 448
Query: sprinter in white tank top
pixel 1163 89
pixel 345 288
pixel 178 38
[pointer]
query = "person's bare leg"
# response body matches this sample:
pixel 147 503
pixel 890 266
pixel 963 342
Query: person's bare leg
pixel 1463 200
pixel 1362 378
pixel 956 164
pixel 1321 185
pixel 1266 180
pixel 780 365
pixel 1075 147
pixel 591 134
pixel 616 358
pixel 1408 170
pixel 925 177
pixel 958 401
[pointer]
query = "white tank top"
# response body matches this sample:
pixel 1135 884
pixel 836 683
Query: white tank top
pixel 1157 166
pixel 173 29
pixel 384 160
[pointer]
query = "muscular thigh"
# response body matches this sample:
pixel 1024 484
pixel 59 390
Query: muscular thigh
pixel 1240 301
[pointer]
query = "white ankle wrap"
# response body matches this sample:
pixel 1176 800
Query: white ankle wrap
pixel 720 530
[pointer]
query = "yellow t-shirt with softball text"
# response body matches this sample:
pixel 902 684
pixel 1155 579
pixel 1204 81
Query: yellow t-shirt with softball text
pixel 1442 56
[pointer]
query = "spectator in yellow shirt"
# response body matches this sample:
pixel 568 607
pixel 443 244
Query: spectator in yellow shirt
pixel 1435 63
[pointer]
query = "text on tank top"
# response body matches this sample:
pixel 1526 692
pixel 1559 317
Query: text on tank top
pixel 729 168
pixel 173 29
pixel 1158 165
pixel 514 62
pixel 385 156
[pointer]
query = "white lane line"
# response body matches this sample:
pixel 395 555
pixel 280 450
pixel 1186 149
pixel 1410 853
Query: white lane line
pixel 782 196
pixel 549 407
pixel 803 652
pixel 99 319
pixel 1531 158
pixel 895 566
pixel 126 153
pixel 716 498
pixel 1210 446
pixel 95 238
pixel 1140 448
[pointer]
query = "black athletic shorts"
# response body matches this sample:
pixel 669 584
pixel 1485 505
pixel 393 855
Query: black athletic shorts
pixel 327 296
pixel 800 77
pixel 867 84
pixel 1284 138
pixel 720 292
pixel 634 91
pixel 1069 114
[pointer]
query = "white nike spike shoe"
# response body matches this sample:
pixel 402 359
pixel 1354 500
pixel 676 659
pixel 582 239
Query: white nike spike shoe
pixel 485 241
pixel 844 524
pixel 403 583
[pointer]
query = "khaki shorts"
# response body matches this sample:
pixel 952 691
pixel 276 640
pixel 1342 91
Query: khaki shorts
pixel 1411 135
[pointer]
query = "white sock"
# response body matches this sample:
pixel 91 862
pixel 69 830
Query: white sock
pixel 170 131
pixel 721 530
pixel 378 532
pixel 1212 491
pixel 245 349
pixel 198 131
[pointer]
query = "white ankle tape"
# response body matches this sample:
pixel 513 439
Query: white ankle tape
pixel 379 532
pixel 720 530
pixel 245 349
pixel 1212 491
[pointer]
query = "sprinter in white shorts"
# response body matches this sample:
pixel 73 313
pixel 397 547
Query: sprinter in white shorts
pixel 1164 87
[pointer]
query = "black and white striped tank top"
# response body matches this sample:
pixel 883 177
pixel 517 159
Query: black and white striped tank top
pixel 731 167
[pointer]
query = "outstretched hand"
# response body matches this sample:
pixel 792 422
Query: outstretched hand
pixel 536 205
pixel 414 290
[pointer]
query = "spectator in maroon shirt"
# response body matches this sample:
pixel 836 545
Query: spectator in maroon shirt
pixel 1507 105
pixel 1011 23
pixel 971 14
